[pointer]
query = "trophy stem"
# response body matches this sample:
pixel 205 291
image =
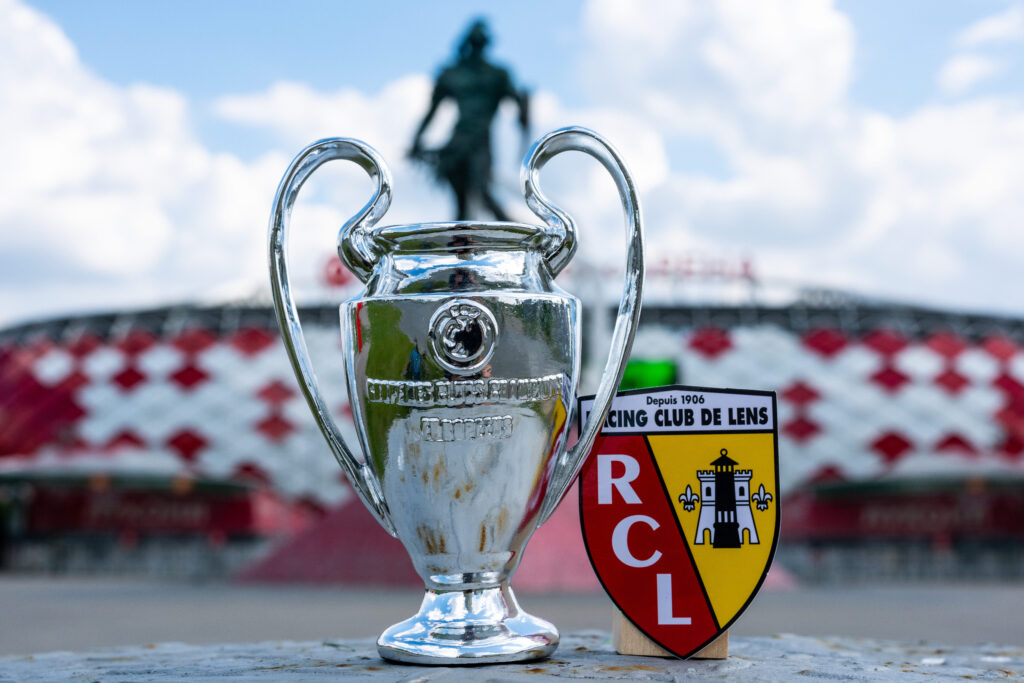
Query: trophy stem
pixel 478 626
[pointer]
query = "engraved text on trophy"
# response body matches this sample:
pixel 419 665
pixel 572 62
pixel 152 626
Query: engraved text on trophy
pixel 466 429
pixel 451 393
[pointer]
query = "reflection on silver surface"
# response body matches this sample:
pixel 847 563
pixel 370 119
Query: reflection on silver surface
pixel 463 360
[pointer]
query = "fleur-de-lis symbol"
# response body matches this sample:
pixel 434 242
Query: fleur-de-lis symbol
pixel 762 497
pixel 688 499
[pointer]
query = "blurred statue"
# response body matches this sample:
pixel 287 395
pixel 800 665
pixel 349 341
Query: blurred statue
pixel 478 88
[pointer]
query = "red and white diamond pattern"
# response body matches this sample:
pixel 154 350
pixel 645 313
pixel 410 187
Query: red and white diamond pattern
pixel 226 405
pixel 876 405
pixel 221 406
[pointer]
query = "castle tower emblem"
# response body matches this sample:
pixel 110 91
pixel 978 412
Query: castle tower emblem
pixel 725 519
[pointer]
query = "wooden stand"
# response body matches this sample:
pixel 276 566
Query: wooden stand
pixel 629 640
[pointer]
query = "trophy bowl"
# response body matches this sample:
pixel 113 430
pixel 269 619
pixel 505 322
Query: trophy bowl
pixel 463 359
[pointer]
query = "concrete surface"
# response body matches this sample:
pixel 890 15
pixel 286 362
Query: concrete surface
pixel 585 655
pixel 43 614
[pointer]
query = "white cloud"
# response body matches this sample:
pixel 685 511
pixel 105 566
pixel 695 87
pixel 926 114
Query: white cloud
pixel 961 72
pixel 109 197
pixel 113 200
pixel 787 63
pixel 298 114
pixel 295 115
pixel 1003 27
pixel 820 190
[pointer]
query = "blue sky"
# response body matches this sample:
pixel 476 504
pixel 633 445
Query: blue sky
pixel 868 146
pixel 901 45
pixel 209 49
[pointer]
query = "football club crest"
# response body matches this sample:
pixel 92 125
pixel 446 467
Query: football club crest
pixel 679 508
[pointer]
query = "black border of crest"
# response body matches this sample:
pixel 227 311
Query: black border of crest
pixel 722 628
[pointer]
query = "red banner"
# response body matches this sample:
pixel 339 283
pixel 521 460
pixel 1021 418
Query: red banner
pixel 62 510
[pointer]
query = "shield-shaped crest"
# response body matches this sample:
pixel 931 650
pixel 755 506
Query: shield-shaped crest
pixel 680 508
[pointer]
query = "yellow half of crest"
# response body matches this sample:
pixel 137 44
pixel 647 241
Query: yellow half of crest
pixel 730 574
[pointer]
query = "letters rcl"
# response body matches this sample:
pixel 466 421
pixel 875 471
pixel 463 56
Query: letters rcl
pixel 630 523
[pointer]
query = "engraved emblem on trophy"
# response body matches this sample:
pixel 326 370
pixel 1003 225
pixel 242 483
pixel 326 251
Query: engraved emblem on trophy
pixel 462 336
pixel 463 454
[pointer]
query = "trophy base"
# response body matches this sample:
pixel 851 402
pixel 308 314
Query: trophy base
pixel 478 626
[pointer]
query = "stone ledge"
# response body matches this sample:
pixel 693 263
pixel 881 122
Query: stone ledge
pixel 585 655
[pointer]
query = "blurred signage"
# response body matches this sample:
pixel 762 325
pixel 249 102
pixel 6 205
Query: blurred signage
pixel 691 267
pixel 696 266
pixel 860 511
pixel 336 274
pixel 65 509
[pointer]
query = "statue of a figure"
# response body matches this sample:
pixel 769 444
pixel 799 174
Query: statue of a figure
pixel 478 88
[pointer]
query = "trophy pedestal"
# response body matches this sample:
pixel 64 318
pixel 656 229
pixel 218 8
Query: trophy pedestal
pixel 478 626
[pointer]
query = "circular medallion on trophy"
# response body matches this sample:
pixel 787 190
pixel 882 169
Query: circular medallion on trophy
pixel 462 335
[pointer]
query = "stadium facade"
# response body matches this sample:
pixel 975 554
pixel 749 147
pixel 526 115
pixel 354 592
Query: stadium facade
pixel 901 430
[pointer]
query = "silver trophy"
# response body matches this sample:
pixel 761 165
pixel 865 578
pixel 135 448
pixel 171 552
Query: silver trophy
pixel 463 358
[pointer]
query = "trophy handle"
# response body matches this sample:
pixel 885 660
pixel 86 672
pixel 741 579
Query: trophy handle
pixel 357 250
pixel 560 248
